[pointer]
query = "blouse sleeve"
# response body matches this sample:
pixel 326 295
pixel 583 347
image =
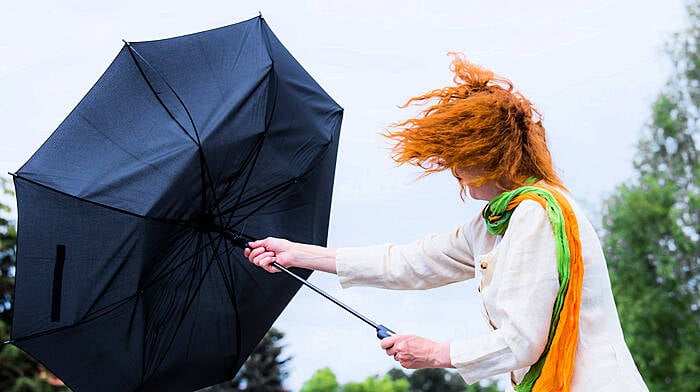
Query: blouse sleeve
pixel 433 261
pixel 521 296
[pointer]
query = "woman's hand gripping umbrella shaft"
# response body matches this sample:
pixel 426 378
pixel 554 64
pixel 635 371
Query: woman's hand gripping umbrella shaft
pixel 275 254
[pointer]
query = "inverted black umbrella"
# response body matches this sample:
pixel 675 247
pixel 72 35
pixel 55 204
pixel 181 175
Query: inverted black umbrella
pixel 129 275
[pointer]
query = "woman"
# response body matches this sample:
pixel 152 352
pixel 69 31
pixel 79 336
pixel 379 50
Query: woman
pixel 542 276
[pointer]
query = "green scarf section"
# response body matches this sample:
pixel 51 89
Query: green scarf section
pixel 497 216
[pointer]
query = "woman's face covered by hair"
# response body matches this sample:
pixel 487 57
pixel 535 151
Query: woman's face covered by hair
pixel 470 179
pixel 480 122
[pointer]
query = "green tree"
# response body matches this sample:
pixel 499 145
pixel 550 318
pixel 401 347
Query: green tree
pixel 650 230
pixel 8 241
pixel 435 379
pixel 375 384
pixel 264 370
pixel 440 380
pixel 322 381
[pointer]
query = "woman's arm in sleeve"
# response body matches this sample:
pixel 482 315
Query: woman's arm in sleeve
pixel 433 261
pixel 527 289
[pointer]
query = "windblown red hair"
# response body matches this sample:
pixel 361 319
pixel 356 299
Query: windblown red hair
pixel 480 123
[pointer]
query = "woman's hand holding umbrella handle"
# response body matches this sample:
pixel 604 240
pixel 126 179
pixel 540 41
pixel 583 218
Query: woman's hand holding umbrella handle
pixel 415 352
pixel 290 254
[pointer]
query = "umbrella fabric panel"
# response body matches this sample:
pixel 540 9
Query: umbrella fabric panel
pixel 212 73
pixel 93 356
pixel 118 147
pixel 100 266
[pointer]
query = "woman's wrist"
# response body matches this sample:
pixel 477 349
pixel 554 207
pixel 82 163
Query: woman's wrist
pixel 314 257
pixel 441 355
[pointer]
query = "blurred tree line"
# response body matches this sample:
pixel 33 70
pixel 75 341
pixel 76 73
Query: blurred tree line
pixel 396 380
pixel 651 229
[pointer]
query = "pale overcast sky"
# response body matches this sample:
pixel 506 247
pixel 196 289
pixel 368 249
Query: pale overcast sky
pixel 592 67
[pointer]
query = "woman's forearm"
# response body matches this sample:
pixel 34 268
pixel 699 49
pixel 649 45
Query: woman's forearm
pixel 265 252
pixel 314 257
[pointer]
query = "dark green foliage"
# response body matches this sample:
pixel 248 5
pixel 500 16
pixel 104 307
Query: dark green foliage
pixel 651 230
pixel 8 240
pixel 432 379
pixel 263 371
pixel 375 384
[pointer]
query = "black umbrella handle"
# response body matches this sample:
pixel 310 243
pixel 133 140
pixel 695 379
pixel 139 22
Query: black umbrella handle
pixel 384 332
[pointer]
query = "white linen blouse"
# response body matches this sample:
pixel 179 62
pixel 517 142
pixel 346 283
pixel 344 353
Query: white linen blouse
pixel 517 283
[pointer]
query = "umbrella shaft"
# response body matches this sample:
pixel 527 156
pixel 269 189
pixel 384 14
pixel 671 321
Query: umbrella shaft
pixel 326 295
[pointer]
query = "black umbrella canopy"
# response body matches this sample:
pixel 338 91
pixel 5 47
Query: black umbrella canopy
pixel 130 274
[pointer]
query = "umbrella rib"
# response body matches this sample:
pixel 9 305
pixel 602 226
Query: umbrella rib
pixel 281 188
pixel 103 311
pixel 258 208
pixel 228 283
pixel 257 197
pixel 105 206
pixel 231 292
pixel 116 273
pixel 133 52
pixel 144 345
pixel 240 240
pixel 168 313
pixel 182 318
pixel 248 160
pixel 169 272
pixel 254 152
pixel 262 194
pixel 268 122
pixel 206 174
pixel 171 254
pixel 256 149
pixel 119 146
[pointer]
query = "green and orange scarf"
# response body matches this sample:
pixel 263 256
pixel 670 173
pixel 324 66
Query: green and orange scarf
pixel 554 369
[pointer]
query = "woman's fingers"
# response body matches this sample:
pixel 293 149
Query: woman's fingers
pixel 258 255
pixel 256 244
pixel 267 251
pixel 264 259
pixel 256 252
pixel 389 341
